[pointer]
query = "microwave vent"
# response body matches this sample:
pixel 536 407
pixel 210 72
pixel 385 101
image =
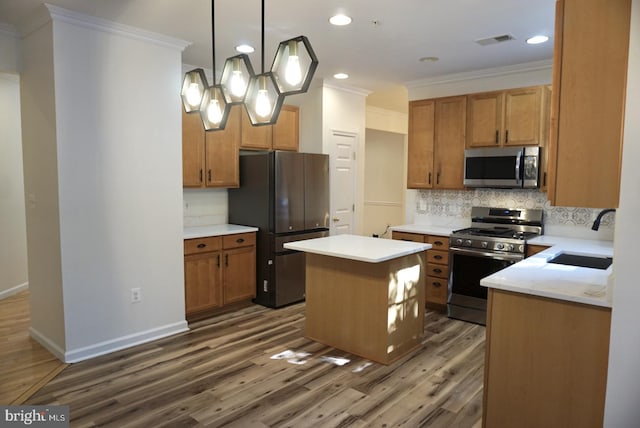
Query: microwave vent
pixel 495 39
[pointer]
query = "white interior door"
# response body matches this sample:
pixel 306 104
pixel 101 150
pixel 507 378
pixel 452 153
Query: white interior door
pixel 343 181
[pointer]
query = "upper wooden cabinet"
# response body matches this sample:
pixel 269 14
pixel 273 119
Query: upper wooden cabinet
pixel 587 109
pixel 436 143
pixel 210 159
pixel 504 118
pixel 284 135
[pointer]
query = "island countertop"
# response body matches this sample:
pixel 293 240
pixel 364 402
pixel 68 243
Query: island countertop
pixel 535 276
pixel 360 248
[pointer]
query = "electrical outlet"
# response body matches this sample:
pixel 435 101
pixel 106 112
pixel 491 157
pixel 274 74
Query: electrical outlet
pixel 136 295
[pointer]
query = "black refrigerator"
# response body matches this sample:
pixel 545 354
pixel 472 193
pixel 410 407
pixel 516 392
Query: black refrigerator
pixel 286 196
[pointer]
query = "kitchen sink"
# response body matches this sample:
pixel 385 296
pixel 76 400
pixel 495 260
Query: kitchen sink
pixel 593 262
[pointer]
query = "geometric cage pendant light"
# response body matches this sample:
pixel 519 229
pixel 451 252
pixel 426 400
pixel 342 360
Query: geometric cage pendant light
pixel 294 65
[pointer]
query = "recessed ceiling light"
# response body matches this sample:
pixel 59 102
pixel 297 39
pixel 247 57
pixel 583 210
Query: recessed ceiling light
pixel 244 49
pixel 429 59
pixel 341 76
pixel 340 19
pixel 537 40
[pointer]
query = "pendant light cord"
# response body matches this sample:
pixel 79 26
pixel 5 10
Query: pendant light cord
pixel 213 42
pixel 262 49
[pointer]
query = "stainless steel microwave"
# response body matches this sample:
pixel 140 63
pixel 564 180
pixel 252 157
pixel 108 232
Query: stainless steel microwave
pixel 506 167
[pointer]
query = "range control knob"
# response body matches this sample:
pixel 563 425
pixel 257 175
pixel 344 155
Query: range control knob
pixel 499 246
pixel 521 248
pixel 511 247
pixel 484 244
pixel 468 242
pixel 459 241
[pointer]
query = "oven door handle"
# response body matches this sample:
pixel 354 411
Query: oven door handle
pixel 488 255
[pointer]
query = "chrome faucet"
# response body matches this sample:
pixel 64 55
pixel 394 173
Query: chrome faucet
pixel 596 223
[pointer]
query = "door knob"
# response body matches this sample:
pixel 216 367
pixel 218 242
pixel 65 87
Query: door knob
pixel 336 219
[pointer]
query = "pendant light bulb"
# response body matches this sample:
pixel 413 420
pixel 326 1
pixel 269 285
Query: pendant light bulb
pixel 214 113
pixel 293 72
pixel 237 85
pixel 263 104
pixel 193 94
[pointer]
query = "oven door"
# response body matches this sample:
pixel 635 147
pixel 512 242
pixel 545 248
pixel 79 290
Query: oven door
pixel 467 298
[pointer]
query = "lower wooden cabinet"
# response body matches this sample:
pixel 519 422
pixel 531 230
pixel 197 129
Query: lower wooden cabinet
pixel 219 270
pixel 535 249
pixel 437 285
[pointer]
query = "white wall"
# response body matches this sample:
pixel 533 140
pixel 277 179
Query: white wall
pixel 114 148
pixel 9 49
pixel 13 244
pixel 623 387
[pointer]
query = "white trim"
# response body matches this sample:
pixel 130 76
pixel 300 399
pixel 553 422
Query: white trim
pixel 14 78
pixel 383 203
pixel 109 346
pixel 477 74
pixel 346 88
pixel 13 290
pixel 83 20
pixel 9 30
pixel 382 119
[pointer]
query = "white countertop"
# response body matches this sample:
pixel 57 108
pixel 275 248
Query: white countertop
pixel 361 248
pixel 215 230
pixel 535 276
pixel 425 229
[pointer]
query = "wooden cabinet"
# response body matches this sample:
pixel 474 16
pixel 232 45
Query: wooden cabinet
pixel 514 117
pixel 587 109
pixel 535 249
pixel 545 363
pixel 210 159
pixel 284 135
pixel 436 143
pixel 437 267
pixel 218 271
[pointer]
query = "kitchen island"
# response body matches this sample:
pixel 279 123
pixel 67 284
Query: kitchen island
pixel 364 295
pixel 547 341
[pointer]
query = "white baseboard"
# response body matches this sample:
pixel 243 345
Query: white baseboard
pixel 13 290
pixel 108 346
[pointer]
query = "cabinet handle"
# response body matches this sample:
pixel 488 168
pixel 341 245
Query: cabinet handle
pixel 209 176
pixel 202 245
pixel 218 260
pixel 437 257
pixel 239 240
pixel 429 178
pixel 497 137
pixel 438 178
pixel 436 284
pixel 226 260
pixel 506 136
pixel 437 270
pixel 544 179
pixel 200 175
pixel 437 243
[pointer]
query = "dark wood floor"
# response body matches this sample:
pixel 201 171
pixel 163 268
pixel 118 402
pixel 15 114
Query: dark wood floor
pixel 221 374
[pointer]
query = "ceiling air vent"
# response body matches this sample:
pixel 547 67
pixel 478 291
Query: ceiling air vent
pixel 495 39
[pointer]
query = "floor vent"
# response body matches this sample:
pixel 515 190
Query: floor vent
pixel 495 39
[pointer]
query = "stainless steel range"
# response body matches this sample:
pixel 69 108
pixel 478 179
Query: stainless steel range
pixel 496 239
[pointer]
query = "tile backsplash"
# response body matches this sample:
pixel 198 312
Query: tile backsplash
pixel 455 206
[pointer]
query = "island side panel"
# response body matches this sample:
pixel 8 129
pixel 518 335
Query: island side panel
pixel 355 306
pixel 546 362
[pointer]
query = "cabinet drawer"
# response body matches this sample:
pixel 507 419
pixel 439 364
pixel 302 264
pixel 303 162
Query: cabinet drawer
pixel 439 257
pixel 405 236
pixel 202 245
pixel 238 240
pixel 438 242
pixel 436 290
pixel 441 271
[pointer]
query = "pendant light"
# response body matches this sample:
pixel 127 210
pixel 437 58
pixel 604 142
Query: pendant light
pixel 193 87
pixel 236 75
pixel 294 65
pixel 263 101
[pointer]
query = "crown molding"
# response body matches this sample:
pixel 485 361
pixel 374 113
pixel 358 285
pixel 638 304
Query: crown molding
pixel 55 13
pixel 484 73
pixel 346 88
pixel 9 30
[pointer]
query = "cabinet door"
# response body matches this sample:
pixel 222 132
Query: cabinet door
pixel 202 282
pixel 286 132
pixel 420 150
pixel 192 150
pixel 588 102
pixel 450 118
pixel 239 274
pixel 522 118
pixel 222 153
pixel 484 119
pixel 254 137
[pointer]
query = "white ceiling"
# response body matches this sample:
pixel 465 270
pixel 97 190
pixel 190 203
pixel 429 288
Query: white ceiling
pixel 374 55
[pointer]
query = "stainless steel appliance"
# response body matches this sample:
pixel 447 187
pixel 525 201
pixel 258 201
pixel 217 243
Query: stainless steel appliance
pixel 507 167
pixel 496 239
pixel 286 196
